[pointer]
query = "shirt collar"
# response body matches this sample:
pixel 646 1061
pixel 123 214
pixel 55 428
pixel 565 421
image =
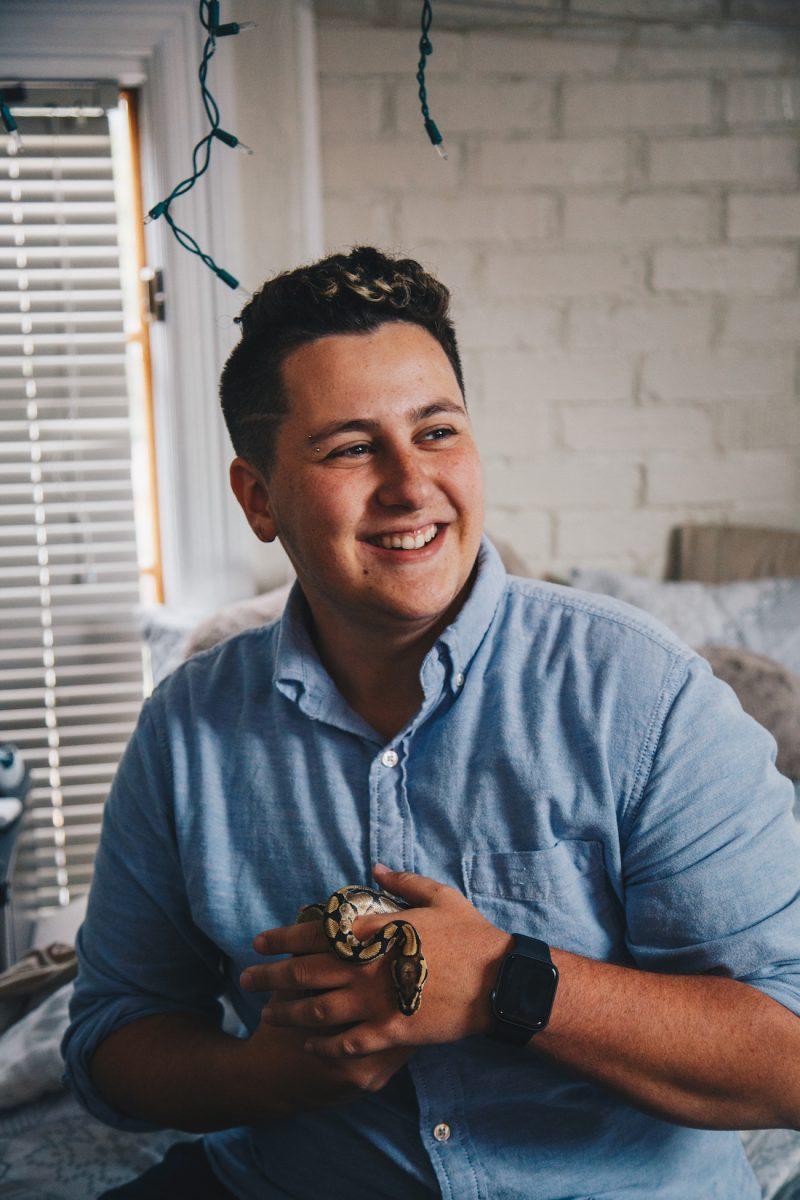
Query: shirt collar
pixel 462 639
pixel 298 670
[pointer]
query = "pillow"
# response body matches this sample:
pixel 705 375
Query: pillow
pixel 762 615
pixel 233 618
pixel 768 692
pixel 172 635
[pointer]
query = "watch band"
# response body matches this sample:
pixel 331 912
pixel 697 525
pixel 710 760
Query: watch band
pixel 508 1031
pixel 532 947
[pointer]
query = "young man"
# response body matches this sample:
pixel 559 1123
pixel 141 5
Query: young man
pixel 555 779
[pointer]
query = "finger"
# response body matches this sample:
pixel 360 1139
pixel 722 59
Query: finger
pixel 357 1042
pixel 306 972
pixel 292 939
pixel 417 889
pixel 317 1012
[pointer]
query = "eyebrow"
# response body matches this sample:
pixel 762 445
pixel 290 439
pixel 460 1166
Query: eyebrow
pixel 366 425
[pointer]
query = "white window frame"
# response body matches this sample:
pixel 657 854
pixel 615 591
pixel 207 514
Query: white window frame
pixel 155 45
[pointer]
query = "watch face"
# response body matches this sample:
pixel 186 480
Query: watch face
pixel 525 991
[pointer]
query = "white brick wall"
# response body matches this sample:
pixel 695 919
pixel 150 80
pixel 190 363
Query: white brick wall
pixel 619 222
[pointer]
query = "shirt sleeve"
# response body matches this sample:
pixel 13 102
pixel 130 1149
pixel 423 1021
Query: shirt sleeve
pixel 711 848
pixel 139 951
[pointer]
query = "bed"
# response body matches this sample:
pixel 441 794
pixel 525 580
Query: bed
pixel 741 586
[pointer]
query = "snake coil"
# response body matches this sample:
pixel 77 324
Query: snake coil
pixel 409 969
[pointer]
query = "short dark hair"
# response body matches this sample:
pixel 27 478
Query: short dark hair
pixel 344 293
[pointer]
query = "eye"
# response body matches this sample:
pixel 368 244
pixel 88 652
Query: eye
pixel 359 450
pixel 438 434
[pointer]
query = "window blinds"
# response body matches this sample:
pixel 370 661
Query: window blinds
pixel 71 668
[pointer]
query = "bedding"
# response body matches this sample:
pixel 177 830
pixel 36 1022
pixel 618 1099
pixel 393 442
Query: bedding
pixel 50 1149
pixel 768 692
pixel 762 615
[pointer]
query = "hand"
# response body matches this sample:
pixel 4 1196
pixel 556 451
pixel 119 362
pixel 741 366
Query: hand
pixel 302 1081
pixel 463 951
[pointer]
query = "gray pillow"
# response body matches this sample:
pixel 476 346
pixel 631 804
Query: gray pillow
pixel 762 615
pixel 768 692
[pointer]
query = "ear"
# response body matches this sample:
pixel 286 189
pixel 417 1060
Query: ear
pixel 251 490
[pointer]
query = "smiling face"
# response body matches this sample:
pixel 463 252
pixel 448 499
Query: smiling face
pixel 376 493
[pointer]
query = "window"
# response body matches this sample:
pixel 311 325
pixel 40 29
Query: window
pixel 78 520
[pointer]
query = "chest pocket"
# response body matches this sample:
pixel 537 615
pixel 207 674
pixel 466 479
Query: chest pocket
pixel 561 894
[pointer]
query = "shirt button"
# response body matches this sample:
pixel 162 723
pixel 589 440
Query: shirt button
pixel 441 1132
pixel 389 758
pixel 459 680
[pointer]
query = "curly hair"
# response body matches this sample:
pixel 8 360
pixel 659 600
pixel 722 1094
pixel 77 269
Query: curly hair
pixel 344 293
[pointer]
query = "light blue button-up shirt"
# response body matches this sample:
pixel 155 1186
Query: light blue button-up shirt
pixel 574 769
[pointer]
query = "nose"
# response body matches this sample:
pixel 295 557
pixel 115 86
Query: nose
pixel 404 482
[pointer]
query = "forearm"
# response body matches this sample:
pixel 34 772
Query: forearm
pixel 177 1069
pixel 697 1050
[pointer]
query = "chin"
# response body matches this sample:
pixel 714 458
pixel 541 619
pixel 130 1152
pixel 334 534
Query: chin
pixel 416 610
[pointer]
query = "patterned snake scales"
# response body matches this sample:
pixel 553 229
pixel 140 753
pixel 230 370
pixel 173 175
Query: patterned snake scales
pixel 409 969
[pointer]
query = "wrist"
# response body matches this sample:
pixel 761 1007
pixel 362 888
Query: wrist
pixel 524 992
pixel 501 944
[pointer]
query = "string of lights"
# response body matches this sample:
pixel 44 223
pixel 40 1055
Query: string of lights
pixel 426 48
pixel 201 155
pixel 10 126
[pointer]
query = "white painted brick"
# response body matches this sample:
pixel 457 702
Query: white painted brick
pixel 465 218
pixel 519 426
pixel 355 223
pixel 560 378
pixel 760 102
pixel 581 535
pixel 755 160
pixel 564 273
pixel 648 325
pixel 563 481
pixel 536 164
pixel 707 49
pixel 526 534
pixel 637 105
pixel 473 375
pixel 351 108
pixel 773 10
pixel 388 165
pixel 358 50
pixel 759 424
pixel 507 323
pixel 725 374
pixel 542 58
pixel 408 11
pixel 762 270
pixel 644 8
pixel 756 321
pixel 746 476
pixel 559 567
pixel 647 218
pixel 456 266
pixel 764 215
pixel 470 107
pixel 779 516
pixel 601 427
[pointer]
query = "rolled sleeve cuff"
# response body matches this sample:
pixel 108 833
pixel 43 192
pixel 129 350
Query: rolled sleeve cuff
pixel 785 991
pixel 79 1045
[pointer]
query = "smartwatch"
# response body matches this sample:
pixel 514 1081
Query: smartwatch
pixel 524 993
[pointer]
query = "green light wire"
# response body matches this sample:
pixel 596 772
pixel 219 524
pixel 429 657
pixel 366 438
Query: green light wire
pixel 425 48
pixel 201 154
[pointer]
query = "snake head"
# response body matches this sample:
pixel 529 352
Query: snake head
pixel 409 975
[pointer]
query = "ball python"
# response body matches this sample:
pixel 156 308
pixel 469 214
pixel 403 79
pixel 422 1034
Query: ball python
pixel 409 969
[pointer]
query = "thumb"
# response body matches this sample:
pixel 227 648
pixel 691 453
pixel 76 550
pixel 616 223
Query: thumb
pixel 417 889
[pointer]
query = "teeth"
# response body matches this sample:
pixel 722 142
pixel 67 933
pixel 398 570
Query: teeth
pixel 413 540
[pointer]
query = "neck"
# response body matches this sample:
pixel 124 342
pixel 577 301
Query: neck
pixel 377 669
